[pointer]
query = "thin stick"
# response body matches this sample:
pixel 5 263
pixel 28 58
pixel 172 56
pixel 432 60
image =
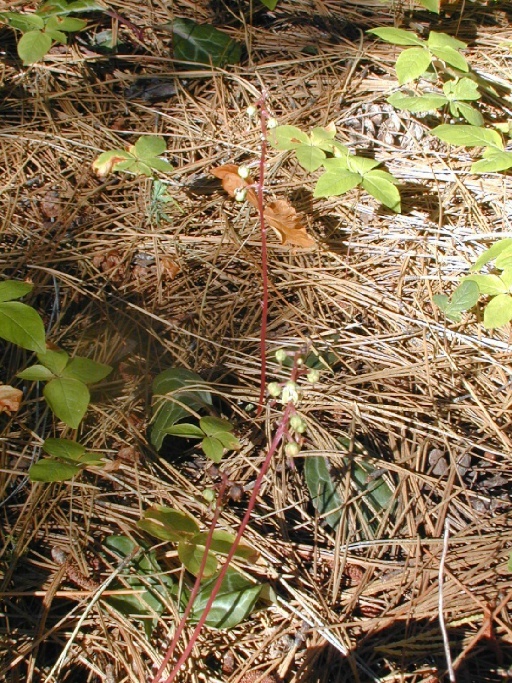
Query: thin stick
pixel 442 624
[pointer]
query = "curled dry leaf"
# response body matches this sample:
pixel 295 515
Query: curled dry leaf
pixel 10 399
pixel 231 182
pixel 281 216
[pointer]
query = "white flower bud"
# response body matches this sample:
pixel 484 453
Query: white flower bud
pixel 292 449
pixel 313 376
pixel 274 389
pixel 272 123
pixel 281 355
pixel 243 172
pixel 297 424
pixel 251 111
pixel 240 194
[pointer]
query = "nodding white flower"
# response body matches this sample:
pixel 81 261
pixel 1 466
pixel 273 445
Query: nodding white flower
pixel 243 172
pixel 290 393
pixel 251 111
pixel 281 355
pixel 240 193
pixel 272 123
pixel 313 376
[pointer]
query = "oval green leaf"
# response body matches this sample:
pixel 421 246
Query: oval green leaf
pixel 287 137
pixel 412 63
pixel 333 184
pixel 468 136
pixel 86 370
pixel 21 325
pixel 322 489
pixel 32 46
pixel 235 600
pixel 168 524
pixel 63 448
pixel 396 36
pixel 49 470
pixel 54 360
pixel 203 44
pixel 212 448
pixel 191 555
pixel 14 289
pixel 383 190
pixel 498 311
pixel 36 373
pixel 68 399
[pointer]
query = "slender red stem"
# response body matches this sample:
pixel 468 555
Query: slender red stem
pixel 264 253
pixel 281 430
pixel 197 584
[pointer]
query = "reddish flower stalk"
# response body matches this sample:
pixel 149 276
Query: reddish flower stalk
pixel 197 584
pixel 264 115
pixel 280 432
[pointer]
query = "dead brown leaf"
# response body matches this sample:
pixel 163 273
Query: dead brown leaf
pixel 281 216
pixel 231 182
pixel 10 399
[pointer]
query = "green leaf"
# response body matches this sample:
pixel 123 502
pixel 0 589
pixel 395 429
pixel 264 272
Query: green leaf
pixel 68 399
pixel 85 6
pixel 229 441
pixel 212 426
pixel 191 555
pixel 36 373
pixel 500 247
pixel 323 137
pixel 501 161
pixel 488 284
pixel 465 296
pixel 14 289
pixel 150 585
pixel 498 311
pixel 287 137
pixel 332 184
pixel 322 489
pixel 468 136
pixel 443 40
pixel 271 4
pixel 383 189
pixel 63 448
pixel 212 448
pixel 442 301
pixel 235 600
pixel 168 524
pixel 150 146
pixel 222 542
pixel 451 57
pixel 309 157
pixel 175 385
pixel 472 115
pixel 417 104
pixel 462 89
pixel 32 46
pixel 361 165
pixel 54 359
pixel 49 470
pixel 22 22
pixel 396 36
pixel 66 24
pixel 21 325
pixel 86 370
pixel 504 260
pixel 187 431
pixel 412 63
pixel 159 165
pixel 431 5
pixel 203 44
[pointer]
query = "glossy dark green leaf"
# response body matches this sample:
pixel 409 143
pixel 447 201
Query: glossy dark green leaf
pixel 203 44
pixel 235 600
pixel 323 490
pixel 191 555
pixel 182 385
pixel 168 524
